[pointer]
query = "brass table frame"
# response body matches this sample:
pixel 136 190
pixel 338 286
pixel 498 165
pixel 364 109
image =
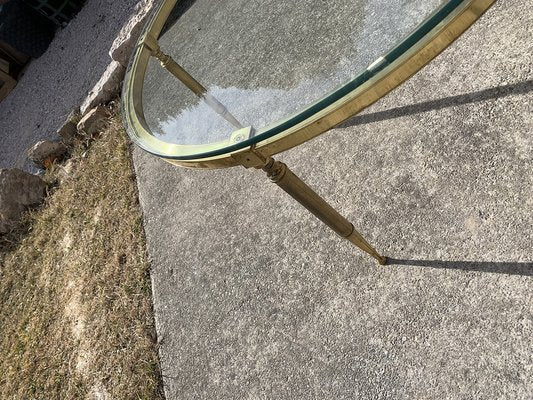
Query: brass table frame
pixel 259 154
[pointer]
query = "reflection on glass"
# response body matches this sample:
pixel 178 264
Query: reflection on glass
pixel 266 60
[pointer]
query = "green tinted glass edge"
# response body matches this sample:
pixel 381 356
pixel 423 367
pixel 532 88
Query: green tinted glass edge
pixel 419 33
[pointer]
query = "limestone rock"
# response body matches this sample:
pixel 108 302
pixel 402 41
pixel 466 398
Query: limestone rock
pixel 125 42
pixel 18 191
pixel 94 121
pixel 69 130
pixel 44 153
pixel 106 89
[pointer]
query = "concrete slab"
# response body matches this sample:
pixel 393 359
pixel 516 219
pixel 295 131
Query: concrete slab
pixel 254 298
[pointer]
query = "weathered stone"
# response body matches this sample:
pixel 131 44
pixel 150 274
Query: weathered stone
pixel 125 42
pixel 107 88
pixel 94 121
pixel 44 153
pixel 18 191
pixel 68 131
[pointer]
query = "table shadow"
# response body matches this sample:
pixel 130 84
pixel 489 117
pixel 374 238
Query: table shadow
pixel 179 9
pixel 509 268
pixel 487 94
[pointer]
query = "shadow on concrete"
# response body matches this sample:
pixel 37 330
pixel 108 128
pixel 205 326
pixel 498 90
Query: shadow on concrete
pixel 487 94
pixel 509 268
pixel 179 9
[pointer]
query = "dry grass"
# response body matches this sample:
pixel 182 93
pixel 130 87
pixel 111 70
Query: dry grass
pixel 75 301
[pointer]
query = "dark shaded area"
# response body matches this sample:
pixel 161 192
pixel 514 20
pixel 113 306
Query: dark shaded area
pixel 483 95
pixel 179 9
pixel 509 268
pixel 60 12
pixel 25 29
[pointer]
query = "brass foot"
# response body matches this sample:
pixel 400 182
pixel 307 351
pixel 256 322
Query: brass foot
pixel 356 238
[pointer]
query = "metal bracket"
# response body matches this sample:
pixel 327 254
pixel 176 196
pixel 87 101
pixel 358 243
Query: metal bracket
pixel 251 158
pixel 241 135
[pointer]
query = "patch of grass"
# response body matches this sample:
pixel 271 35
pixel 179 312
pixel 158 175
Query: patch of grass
pixel 76 315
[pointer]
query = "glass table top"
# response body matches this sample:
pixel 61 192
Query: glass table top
pixel 265 66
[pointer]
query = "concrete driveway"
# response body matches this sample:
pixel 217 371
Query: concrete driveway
pixel 254 298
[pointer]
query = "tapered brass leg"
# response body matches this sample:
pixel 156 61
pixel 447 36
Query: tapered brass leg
pixel 192 84
pixel 282 176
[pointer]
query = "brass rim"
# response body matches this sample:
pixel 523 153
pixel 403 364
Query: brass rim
pixel 411 55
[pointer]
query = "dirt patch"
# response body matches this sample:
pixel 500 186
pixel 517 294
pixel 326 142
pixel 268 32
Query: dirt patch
pixel 75 295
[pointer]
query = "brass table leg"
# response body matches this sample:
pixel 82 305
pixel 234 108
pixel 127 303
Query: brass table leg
pixel 282 176
pixel 192 84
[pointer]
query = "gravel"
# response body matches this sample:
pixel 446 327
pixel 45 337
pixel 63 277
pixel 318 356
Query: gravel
pixel 59 80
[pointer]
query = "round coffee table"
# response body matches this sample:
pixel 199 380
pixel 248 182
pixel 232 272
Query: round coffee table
pixel 216 84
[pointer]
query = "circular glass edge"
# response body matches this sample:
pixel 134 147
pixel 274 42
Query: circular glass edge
pixel 430 38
